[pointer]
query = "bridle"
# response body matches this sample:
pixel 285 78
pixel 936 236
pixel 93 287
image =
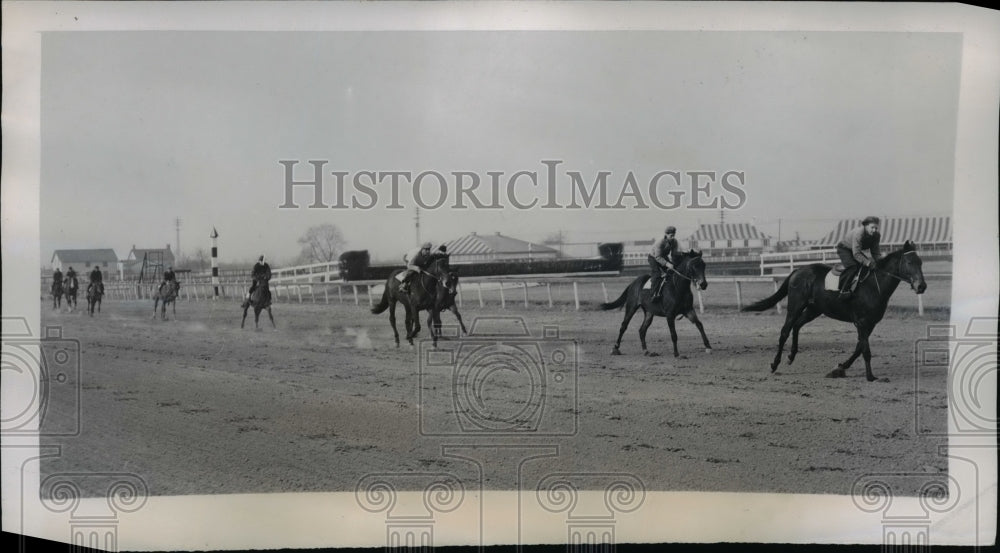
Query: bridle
pixel 892 274
pixel 682 275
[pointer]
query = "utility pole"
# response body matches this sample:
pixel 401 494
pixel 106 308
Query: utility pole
pixel 416 221
pixel 177 223
pixel 779 229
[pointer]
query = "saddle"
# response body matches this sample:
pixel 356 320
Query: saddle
pixel 654 282
pixel 839 277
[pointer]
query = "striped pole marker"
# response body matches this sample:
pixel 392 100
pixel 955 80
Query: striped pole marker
pixel 215 263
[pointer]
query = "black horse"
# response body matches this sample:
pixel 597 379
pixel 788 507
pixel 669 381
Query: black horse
pixel 167 293
pixel 677 301
pixel 57 293
pixel 807 299
pixel 433 290
pixel 95 291
pixel 70 289
pixel 260 299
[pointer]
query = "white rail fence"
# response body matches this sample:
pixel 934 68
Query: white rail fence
pixel 549 292
pixel 788 261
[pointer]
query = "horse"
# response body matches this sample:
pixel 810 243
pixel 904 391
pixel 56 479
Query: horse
pixel 70 288
pixel 94 294
pixel 57 292
pixel 677 301
pixel 433 290
pixel 260 299
pixel 807 299
pixel 167 293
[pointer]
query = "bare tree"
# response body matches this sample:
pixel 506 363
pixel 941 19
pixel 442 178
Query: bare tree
pixel 321 244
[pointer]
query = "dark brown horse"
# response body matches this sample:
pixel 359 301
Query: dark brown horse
pixel 167 293
pixel 433 290
pixel 57 293
pixel 677 301
pixel 808 299
pixel 71 286
pixel 95 291
pixel 260 300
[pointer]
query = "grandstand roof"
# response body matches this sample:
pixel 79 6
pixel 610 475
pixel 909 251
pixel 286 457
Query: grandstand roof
pixel 728 231
pixel 896 230
pixel 82 256
pixel 473 244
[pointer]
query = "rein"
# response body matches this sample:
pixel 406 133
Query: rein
pixel 682 275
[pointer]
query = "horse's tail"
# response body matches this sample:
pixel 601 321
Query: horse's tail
pixel 771 301
pixel 384 303
pixel 624 297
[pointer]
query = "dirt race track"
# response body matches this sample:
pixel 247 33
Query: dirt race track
pixel 196 405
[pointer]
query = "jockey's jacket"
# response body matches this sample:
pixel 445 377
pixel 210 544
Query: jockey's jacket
pixel 860 242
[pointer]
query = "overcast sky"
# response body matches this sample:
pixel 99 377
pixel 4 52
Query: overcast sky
pixel 139 128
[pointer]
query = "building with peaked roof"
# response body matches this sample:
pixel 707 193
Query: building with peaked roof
pixel 83 261
pixel 161 257
pixel 929 233
pixel 496 247
pixel 728 239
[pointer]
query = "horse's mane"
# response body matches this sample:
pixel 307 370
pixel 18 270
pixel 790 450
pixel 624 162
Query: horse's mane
pixel 908 247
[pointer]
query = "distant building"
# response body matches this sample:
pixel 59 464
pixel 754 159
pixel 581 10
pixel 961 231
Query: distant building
pixel 495 247
pixel 727 240
pixel 83 261
pixel 162 257
pixel 928 233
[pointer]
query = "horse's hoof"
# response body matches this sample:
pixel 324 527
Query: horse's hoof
pixel 616 351
pixel 880 379
pixel 774 367
pixel 836 373
pixel 651 354
pixel 708 350
pixel 790 359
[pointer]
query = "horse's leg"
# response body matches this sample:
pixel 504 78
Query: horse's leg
pixel 392 320
pixel 408 321
pixel 807 316
pixel 458 316
pixel 672 325
pixel 630 310
pixel 866 352
pixel 841 370
pixel 270 316
pixel 246 307
pixel 693 317
pixel 256 318
pixel 648 320
pixel 156 303
pixel 795 308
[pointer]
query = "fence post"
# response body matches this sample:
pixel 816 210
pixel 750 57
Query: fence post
pixel 920 305
pixel 604 287
pixel 340 293
pixel 739 296
pixel 459 289
pixel 298 292
pixel 355 288
pixel 548 288
pixel 503 302
pixel 326 294
pixel 370 295
pixel 525 284
pixel 480 289
pixel 576 296
pixel 777 305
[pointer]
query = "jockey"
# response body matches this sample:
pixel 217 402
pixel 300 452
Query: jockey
pixel 859 247
pixel 417 260
pixel 70 274
pixel 168 276
pixel 661 260
pixel 261 272
pixel 57 277
pixel 96 278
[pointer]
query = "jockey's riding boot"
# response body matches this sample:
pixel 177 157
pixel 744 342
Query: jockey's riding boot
pixel 658 291
pixel 847 294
